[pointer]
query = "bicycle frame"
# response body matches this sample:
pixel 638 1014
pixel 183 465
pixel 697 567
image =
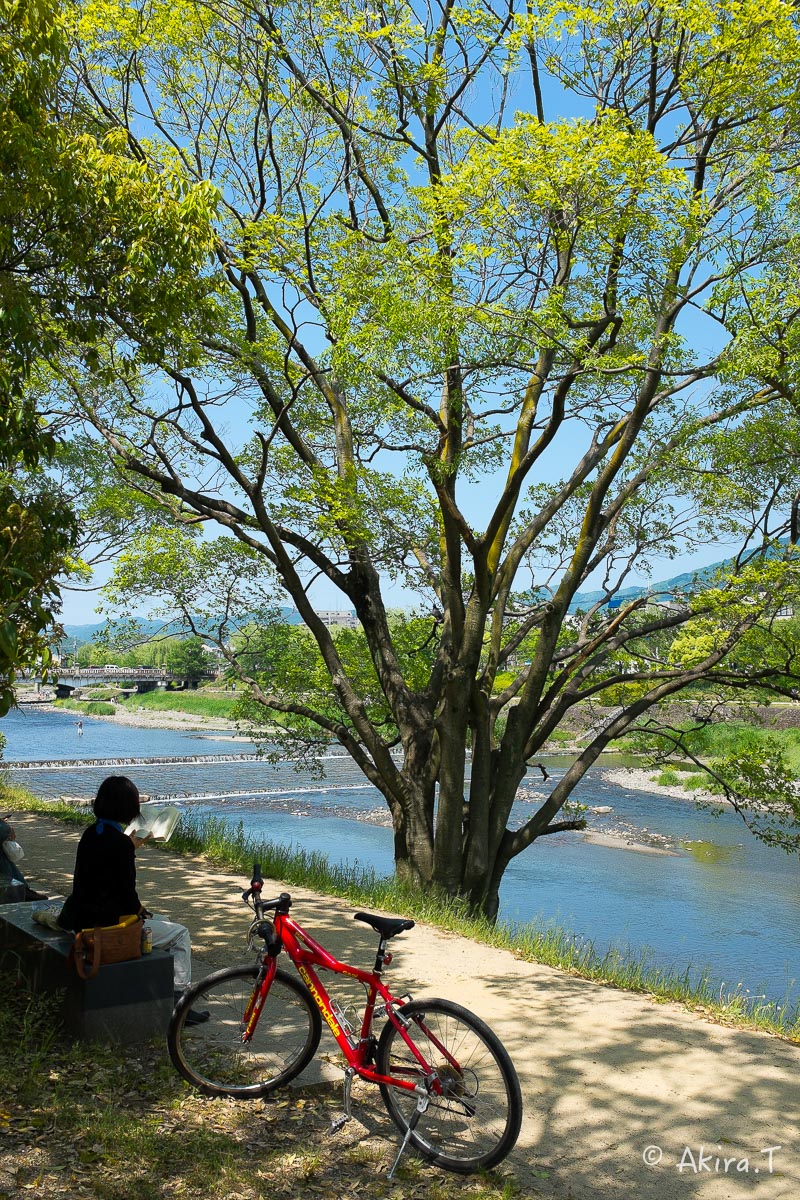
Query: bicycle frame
pixel 307 954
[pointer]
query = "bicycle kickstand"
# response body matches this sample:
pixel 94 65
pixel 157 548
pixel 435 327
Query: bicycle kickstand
pixel 422 1105
pixel 338 1122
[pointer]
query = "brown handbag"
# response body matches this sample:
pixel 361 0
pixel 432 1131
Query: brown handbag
pixel 93 948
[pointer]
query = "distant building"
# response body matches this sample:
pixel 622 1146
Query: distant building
pixel 344 618
pixel 214 650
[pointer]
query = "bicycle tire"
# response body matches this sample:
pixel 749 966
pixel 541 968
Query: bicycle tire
pixel 476 1121
pixel 213 1057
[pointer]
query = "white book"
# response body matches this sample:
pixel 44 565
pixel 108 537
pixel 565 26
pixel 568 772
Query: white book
pixel 157 824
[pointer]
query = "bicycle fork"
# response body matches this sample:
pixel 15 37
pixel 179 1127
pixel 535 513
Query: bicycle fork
pixel 257 1000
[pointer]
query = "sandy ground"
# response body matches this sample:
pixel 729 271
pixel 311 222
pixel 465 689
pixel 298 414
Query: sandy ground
pixel 151 719
pixel 623 1097
pixel 641 780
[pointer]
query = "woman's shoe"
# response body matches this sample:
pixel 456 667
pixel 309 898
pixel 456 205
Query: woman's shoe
pixel 193 1017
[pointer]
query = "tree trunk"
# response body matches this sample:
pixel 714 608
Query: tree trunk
pixel 413 836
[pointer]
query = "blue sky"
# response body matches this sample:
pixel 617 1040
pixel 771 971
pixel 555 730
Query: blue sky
pixel 79 607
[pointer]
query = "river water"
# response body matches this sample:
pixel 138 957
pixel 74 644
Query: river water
pixel 721 902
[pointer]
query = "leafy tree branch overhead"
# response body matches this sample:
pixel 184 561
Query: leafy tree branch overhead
pixel 425 276
pixel 83 224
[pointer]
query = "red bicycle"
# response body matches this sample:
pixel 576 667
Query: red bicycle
pixel 445 1078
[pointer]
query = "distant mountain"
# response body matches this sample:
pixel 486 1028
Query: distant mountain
pixel 665 587
pixel 149 628
pixel 582 600
pixel 85 633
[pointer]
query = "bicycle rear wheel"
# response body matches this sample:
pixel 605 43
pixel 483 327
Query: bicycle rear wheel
pixel 475 1120
pixel 213 1057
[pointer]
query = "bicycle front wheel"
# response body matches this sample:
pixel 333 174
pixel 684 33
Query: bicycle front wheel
pixel 214 1058
pixel 474 1111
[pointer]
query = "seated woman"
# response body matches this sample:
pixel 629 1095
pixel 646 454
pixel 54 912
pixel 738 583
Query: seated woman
pixel 10 872
pixel 104 885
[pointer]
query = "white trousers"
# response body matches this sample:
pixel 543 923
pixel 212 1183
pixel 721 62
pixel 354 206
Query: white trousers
pixel 168 935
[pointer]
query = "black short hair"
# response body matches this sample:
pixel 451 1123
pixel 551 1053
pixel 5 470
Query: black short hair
pixel 117 799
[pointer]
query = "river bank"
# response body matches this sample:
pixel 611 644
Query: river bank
pixel 608 836
pixel 616 1088
pixel 141 718
pixel 720 904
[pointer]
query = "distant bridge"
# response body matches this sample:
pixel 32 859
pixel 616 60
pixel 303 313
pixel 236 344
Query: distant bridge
pixel 137 679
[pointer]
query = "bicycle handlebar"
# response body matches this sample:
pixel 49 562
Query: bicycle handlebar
pixel 281 903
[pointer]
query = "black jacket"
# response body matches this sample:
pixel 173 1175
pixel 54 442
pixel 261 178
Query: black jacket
pixel 104 886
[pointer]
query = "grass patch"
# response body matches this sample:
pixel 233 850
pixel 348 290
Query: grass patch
pixel 697 783
pixel 668 778
pixel 17 799
pixel 562 737
pixel 197 704
pixel 94 708
pixel 111 1121
pixel 231 847
pixel 726 738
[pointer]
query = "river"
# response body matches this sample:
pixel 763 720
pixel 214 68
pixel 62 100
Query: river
pixel 719 902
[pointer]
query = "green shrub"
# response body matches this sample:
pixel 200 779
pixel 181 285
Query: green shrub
pixel 92 708
pixel 196 703
pixel 562 736
pixel 668 778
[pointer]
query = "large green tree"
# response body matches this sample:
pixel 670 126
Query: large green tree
pixel 37 530
pixel 84 223
pixel 506 306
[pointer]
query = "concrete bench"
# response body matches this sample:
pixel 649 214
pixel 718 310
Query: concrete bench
pixel 125 1002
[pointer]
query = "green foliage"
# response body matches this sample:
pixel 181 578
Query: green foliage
pixel 90 234
pixel 198 703
pixel 36 537
pixel 421 285
pixel 37 532
pixel 189 658
pixel 124 644
pixel 90 237
pixel 764 791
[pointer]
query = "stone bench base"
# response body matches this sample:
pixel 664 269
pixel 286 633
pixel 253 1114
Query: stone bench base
pixel 125 1002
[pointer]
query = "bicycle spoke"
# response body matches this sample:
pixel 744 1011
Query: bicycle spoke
pixel 475 1107
pixel 215 1057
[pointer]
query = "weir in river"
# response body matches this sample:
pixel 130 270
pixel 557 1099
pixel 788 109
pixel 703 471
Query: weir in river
pixel 63 764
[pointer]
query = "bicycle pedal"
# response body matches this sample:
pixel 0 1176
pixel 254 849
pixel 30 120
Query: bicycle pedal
pixel 338 1123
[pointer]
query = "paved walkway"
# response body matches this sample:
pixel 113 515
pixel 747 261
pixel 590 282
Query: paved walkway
pixel 623 1097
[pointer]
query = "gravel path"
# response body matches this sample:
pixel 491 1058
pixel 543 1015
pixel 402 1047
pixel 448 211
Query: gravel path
pixel 623 1097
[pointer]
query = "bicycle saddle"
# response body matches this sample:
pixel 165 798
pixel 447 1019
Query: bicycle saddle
pixel 387 927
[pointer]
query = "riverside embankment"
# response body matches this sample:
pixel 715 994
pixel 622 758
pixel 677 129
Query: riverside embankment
pixel 623 1097
pixel 711 899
